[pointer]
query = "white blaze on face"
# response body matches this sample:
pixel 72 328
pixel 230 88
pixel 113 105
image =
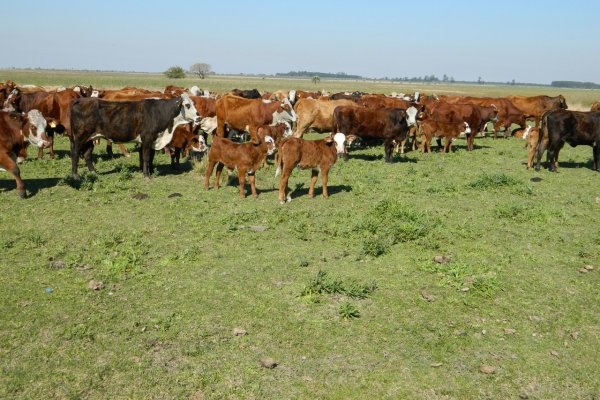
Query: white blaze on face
pixel 37 128
pixel 411 115
pixel 292 96
pixel 467 129
pixel 95 93
pixel 190 114
pixel 270 145
pixel 195 91
pixel 526 132
pixel 340 142
pixel 288 129
pixel 200 147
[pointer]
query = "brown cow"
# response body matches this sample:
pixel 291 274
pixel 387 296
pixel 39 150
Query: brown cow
pixel 531 136
pixel 15 131
pixel 429 128
pixel 246 157
pixel 184 140
pixel 535 106
pixel 595 106
pixel 387 124
pixel 319 155
pixel 474 115
pixel 239 113
pixel 508 114
pixel 302 94
pixel 277 132
pixel 55 105
pixel 317 114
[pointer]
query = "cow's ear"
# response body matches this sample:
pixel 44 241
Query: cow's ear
pixel 329 138
pixel 255 138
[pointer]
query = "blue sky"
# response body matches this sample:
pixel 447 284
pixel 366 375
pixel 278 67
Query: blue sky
pixel 529 41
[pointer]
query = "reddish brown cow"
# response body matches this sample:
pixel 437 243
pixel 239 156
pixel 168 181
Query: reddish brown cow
pixel 429 128
pixel 319 155
pixel 535 106
pixel 531 136
pixel 55 105
pixel 246 157
pixel 277 132
pixel 301 94
pixel 15 131
pixel 508 114
pixel 184 140
pixel 239 113
pixel 474 115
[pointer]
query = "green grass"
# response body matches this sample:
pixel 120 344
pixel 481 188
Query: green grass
pixel 180 273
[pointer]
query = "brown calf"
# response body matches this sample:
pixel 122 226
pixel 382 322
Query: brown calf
pixel 184 140
pixel 429 128
pixel 246 157
pixel 319 155
pixel 277 132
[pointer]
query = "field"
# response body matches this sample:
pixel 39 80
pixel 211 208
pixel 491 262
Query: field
pixel 195 288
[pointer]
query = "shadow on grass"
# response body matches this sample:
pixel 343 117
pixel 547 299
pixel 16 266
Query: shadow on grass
pixel 32 186
pixel 301 190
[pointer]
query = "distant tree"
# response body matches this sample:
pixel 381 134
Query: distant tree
pixel 451 79
pixel 316 79
pixel 512 82
pixel 200 69
pixel 445 78
pixel 479 80
pixel 175 72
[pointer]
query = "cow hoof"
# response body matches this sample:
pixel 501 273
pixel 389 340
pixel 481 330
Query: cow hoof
pixel 76 177
pixel 22 195
pixel 288 199
pixel 281 202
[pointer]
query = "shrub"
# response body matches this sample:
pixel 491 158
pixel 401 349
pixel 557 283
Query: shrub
pixel 175 73
pixel 493 181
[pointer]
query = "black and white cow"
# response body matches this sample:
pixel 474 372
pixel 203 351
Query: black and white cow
pixel 150 121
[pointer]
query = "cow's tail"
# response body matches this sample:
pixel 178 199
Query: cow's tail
pixel 542 132
pixel 279 158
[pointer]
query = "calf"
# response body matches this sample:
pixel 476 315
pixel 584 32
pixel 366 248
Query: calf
pixel 278 133
pixel 574 127
pixel 184 140
pixel 320 155
pixel 16 130
pixel 531 136
pixel 246 157
pixel 429 128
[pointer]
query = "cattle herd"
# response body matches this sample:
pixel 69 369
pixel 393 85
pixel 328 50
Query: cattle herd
pixel 181 120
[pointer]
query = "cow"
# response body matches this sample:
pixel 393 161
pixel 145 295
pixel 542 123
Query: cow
pixel 508 113
pixel 238 113
pixel 279 95
pixel 246 157
pixel 247 94
pixel 595 106
pixel 574 127
pixel 319 155
pixel 316 114
pixel 475 116
pixel 301 94
pixel 184 140
pixel 151 121
pixel 278 133
pixel 55 105
pixel 387 124
pixel 531 136
pixel 429 128
pixel 16 130
pixel 534 106
pixel 5 89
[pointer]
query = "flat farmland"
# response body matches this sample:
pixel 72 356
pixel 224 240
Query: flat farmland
pixel 195 287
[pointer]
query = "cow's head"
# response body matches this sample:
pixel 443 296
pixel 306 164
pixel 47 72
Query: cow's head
pixel 12 99
pixel 34 130
pixel 562 102
pixel 292 96
pixel 189 110
pixel 197 144
pixel 339 140
pixel 285 112
pixel 412 114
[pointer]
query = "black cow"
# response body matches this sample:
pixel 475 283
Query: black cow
pixel 388 124
pixel 573 127
pixel 150 121
pixel 247 94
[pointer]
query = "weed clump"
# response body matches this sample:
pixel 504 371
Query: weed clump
pixel 487 181
pixel 323 284
pixel 388 223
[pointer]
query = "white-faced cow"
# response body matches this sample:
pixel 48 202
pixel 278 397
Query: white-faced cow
pixel 151 122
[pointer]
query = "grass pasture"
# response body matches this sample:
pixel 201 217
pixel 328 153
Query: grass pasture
pixel 343 294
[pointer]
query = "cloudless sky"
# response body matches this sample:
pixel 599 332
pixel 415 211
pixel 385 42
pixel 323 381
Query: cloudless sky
pixel 529 41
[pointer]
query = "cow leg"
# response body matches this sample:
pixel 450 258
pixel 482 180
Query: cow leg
pixel 123 150
pixel 50 146
pixel 313 181
pixel 388 147
pixel 532 149
pixel 218 175
pixel 447 144
pixel 146 159
pixel 283 186
pixel 8 162
pixel 596 153
pixel 109 150
pixel 242 180
pixel 438 140
pixel 552 154
pixel 175 158
pixel 251 178
pixel 324 177
pixel 151 162
pixel 74 160
pixel 87 149
pixel 209 169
